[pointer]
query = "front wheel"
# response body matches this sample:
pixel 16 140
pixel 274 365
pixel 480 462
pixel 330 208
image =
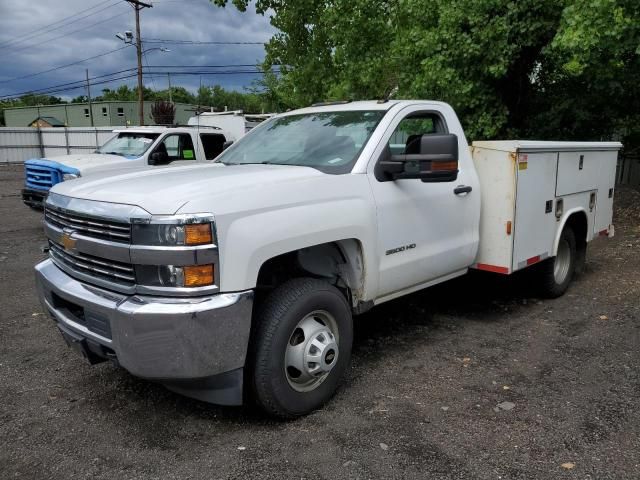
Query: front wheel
pixel 557 272
pixel 301 347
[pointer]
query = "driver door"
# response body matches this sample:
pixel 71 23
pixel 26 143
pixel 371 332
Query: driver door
pixel 425 230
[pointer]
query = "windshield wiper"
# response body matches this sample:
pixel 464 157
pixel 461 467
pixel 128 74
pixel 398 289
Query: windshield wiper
pixel 112 153
pixel 264 162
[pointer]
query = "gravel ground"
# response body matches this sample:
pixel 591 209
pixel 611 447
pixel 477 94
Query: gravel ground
pixel 476 378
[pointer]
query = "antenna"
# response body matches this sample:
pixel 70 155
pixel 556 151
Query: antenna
pixel 198 117
pixel 389 95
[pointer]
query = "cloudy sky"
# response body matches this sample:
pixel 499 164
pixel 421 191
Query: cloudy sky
pixel 41 35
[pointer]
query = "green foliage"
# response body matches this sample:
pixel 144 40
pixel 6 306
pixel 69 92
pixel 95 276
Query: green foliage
pixel 215 96
pixel 28 100
pixel 528 68
pixel 594 90
pixel 258 99
pixel 31 100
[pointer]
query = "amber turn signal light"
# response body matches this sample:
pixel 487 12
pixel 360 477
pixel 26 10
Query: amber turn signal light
pixel 198 234
pixel 441 166
pixel 198 275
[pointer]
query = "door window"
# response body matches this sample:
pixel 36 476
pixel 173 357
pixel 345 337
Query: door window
pixel 177 147
pixel 212 144
pixel 406 137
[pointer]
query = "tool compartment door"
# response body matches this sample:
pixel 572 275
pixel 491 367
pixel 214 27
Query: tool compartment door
pixel 535 223
pixel 577 172
pixel 607 162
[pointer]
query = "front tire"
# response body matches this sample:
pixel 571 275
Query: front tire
pixel 301 347
pixel 556 274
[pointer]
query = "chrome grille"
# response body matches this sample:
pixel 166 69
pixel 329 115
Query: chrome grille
pixel 95 227
pixel 118 272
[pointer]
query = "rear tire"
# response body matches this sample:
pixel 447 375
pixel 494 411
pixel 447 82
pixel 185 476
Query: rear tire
pixel 556 273
pixel 300 348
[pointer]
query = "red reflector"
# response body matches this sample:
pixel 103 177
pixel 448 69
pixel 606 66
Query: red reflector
pixel 492 268
pixel 603 232
pixel 532 260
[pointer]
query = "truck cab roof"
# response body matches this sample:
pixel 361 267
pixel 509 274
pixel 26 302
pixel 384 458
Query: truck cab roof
pixel 347 106
pixel 164 129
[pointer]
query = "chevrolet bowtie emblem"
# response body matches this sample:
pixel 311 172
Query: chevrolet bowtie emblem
pixel 68 242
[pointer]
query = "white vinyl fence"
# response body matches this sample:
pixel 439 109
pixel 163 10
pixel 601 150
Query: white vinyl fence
pixel 18 144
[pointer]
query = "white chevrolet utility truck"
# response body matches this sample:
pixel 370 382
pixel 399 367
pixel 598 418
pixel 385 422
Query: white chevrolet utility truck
pixel 128 149
pixel 240 278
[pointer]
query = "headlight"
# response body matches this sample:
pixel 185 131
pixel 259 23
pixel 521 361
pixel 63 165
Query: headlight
pixel 172 276
pixel 70 176
pixel 171 234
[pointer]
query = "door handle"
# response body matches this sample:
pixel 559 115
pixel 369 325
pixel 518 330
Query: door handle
pixel 460 189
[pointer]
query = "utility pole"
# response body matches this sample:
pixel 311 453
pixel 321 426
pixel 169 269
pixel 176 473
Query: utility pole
pixel 138 5
pixel 89 96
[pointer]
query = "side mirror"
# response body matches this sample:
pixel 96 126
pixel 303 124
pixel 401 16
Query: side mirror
pixel 227 144
pixel 436 162
pixel 158 158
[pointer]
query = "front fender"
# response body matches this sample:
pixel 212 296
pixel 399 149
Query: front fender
pixel 249 241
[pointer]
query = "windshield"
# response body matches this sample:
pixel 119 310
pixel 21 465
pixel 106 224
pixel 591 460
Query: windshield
pixel 328 141
pixel 129 144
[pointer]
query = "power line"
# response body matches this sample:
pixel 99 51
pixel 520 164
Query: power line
pixel 46 30
pixel 2 44
pixel 198 42
pixel 81 85
pixel 45 90
pixel 65 87
pixel 65 66
pixel 206 66
pixel 132 75
pixel 146 60
pixel 219 72
pixel 67 33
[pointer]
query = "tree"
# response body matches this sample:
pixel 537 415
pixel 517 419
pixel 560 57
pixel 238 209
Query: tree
pixel 508 68
pixel 163 112
pixel 33 99
pixel 596 52
pixel 28 100
pixel 179 95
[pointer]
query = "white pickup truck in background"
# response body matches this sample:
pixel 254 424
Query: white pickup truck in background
pixel 243 276
pixel 129 148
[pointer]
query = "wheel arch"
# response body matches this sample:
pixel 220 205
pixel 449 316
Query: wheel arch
pixel 340 262
pixel 578 220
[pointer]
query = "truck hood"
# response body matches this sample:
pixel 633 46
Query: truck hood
pixel 164 191
pixel 91 162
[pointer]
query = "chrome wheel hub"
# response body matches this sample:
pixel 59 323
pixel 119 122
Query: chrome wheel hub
pixel 312 351
pixel 562 262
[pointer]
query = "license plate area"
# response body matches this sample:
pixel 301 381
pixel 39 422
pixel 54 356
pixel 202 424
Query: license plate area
pixel 76 312
pixel 91 320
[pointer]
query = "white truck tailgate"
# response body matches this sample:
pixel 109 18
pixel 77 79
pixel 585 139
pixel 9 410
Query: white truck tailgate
pixel 521 183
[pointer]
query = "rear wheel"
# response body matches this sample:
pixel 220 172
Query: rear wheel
pixel 557 272
pixel 301 347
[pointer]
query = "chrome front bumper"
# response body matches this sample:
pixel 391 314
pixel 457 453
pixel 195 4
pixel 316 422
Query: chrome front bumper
pixel 184 343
